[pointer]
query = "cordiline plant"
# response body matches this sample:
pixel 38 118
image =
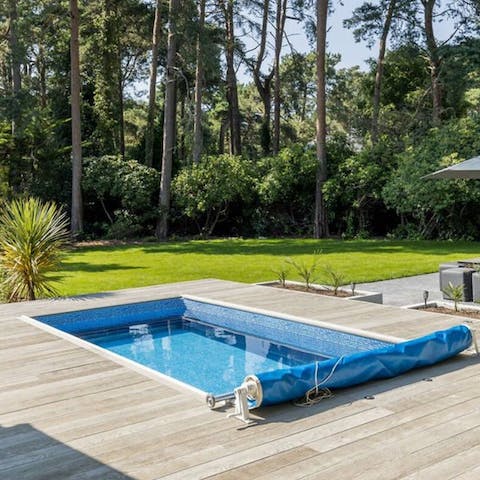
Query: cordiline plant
pixel 32 234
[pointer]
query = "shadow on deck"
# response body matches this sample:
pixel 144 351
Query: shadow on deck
pixel 29 454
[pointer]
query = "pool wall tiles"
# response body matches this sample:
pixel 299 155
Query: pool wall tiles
pixel 295 334
pixel 300 335
pixel 108 317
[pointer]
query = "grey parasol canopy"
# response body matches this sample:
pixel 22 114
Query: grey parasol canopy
pixel 467 169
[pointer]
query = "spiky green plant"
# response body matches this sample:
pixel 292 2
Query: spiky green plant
pixel 281 273
pixel 335 278
pixel 31 236
pixel 455 293
pixel 307 272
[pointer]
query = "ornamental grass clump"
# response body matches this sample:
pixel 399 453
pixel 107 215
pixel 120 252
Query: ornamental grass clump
pixel 32 234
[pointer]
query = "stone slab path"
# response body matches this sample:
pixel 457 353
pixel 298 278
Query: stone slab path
pixel 407 290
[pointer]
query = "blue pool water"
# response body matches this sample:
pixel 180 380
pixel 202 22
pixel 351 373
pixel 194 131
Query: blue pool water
pixel 211 347
pixel 178 348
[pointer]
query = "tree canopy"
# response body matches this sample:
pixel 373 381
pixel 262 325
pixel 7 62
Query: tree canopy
pixel 201 116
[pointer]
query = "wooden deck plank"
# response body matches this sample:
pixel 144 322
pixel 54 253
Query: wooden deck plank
pixel 266 466
pixel 449 467
pixel 66 412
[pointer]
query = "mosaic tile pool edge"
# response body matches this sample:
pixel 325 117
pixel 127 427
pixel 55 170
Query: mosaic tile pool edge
pixel 288 332
pixel 115 316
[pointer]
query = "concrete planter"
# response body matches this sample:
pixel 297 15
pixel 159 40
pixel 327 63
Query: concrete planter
pixel 360 295
pixel 476 286
pixel 459 276
pixel 462 307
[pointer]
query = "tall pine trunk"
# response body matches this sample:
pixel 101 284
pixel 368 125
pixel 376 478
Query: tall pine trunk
pixel 108 81
pixel 168 124
pixel 320 220
pixel 121 108
pixel 152 96
pixel 42 74
pixel 77 204
pixel 279 31
pixel 15 63
pixel 231 80
pixel 197 117
pixel 377 93
pixel 263 82
pixel 434 61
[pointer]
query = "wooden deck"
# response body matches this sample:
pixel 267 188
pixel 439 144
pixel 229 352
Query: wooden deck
pixel 69 413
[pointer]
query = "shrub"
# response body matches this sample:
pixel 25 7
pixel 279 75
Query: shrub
pixel 204 191
pixel 437 208
pixel 125 191
pixel 285 188
pixel 31 236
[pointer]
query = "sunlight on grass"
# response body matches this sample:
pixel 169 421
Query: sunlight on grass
pixel 96 269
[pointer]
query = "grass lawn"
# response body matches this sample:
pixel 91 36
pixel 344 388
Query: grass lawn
pixel 101 268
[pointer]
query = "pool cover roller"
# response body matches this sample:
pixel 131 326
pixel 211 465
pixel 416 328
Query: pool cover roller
pixel 340 372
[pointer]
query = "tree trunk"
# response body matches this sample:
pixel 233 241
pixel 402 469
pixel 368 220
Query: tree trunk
pixel 434 62
pixel 118 76
pixel 149 132
pixel 30 291
pixel 320 221
pixel 263 85
pixel 168 125
pixel 279 31
pixel 266 135
pixel 121 109
pixel 181 133
pixel 232 92
pixel 197 117
pixel 107 82
pixel 221 136
pixel 42 73
pixel 380 66
pixel 77 204
pixel 15 63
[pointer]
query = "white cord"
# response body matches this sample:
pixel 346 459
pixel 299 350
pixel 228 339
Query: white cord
pixel 316 394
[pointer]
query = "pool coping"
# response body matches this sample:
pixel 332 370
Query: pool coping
pixel 132 365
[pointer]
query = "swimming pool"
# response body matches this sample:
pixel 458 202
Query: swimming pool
pixel 218 349
pixel 210 358
pixel 207 346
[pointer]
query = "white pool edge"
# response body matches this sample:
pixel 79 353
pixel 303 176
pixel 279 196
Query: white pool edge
pixel 132 365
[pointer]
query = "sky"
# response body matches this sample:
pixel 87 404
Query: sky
pixel 340 39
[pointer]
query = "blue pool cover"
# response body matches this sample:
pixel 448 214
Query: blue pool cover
pixel 292 383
